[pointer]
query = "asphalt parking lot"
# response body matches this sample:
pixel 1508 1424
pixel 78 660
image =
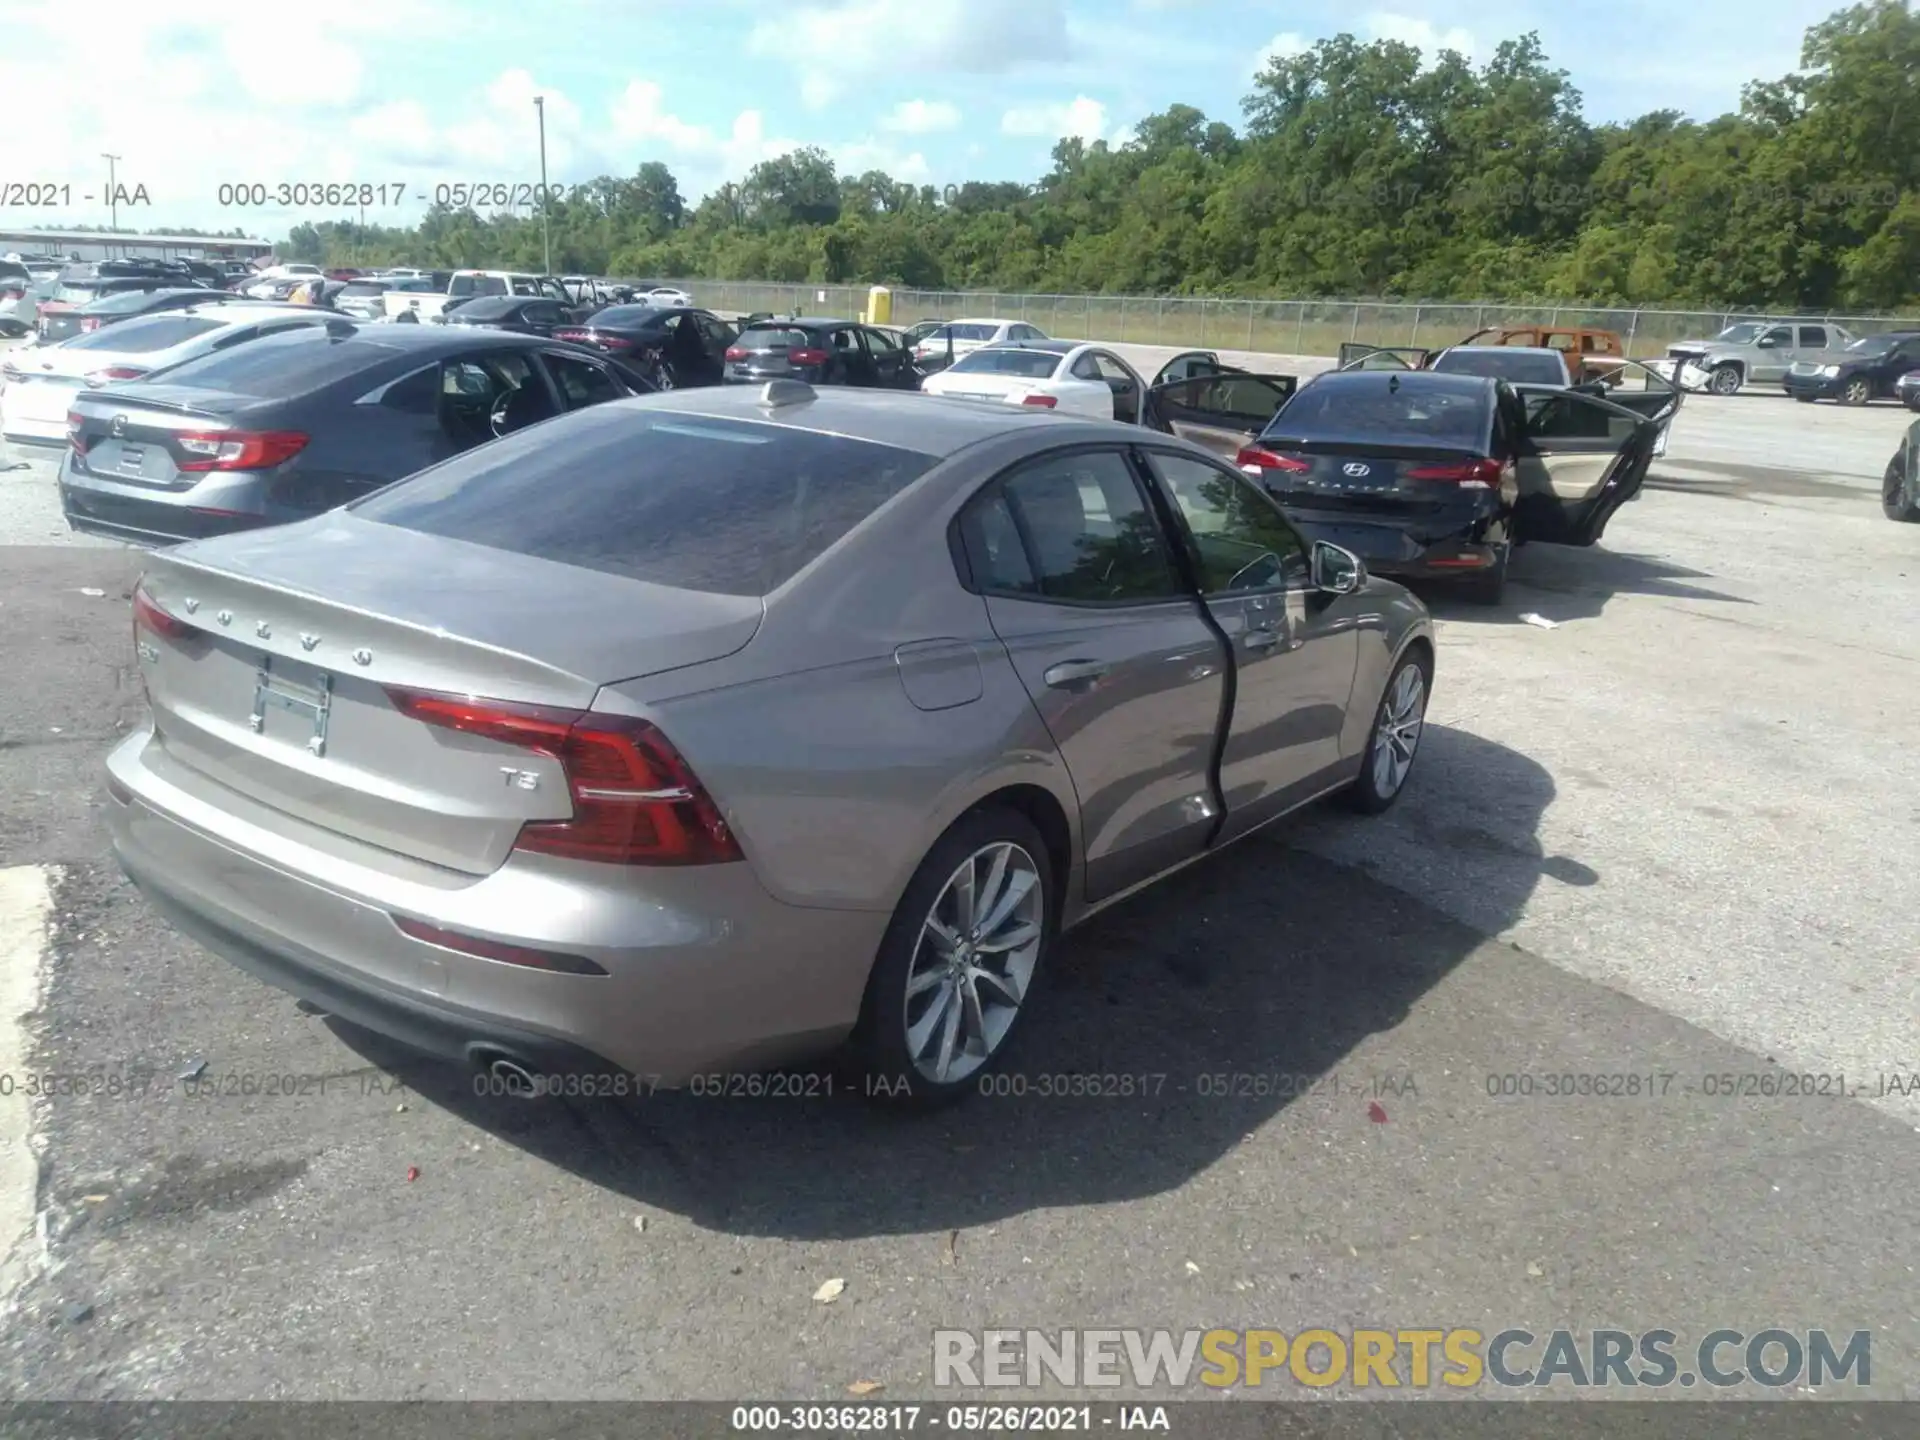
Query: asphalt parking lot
pixel 1671 836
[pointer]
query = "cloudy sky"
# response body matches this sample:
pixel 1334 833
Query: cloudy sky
pixel 441 91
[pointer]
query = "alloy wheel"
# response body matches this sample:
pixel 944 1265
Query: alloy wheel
pixel 1403 712
pixel 1856 392
pixel 1726 380
pixel 973 962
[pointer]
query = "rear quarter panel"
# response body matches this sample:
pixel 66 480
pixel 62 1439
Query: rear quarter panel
pixel 1389 619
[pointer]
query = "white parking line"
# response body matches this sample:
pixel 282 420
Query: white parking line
pixel 26 900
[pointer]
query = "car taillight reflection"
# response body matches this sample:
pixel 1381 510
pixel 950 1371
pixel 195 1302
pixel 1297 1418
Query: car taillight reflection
pixel 1467 474
pixel 1256 461
pixel 807 356
pixel 239 449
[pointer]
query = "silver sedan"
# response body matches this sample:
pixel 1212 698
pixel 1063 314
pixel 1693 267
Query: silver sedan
pixel 706 731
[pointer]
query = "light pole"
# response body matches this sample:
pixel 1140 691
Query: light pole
pixel 113 199
pixel 546 236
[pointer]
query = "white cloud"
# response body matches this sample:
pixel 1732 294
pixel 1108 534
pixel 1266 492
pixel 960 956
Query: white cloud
pixel 1284 46
pixel 1423 35
pixel 700 158
pixel 921 117
pixel 864 155
pixel 1082 117
pixel 833 44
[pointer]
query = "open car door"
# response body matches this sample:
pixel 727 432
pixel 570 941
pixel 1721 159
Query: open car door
pixel 1223 412
pixel 1354 356
pixel 1189 365
pixel 1579 458
pixel 1645 391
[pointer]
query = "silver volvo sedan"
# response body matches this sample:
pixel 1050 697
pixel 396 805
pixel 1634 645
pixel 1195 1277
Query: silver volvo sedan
pixel 709 730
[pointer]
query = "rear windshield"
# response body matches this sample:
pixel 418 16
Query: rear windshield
pixel 1371 408
pixel 77 292
pixel 1522 369
pixel 125 302
pixel 724 506
pixel 491 307
pixel 769 338
pixel 366 287
pixel 971 332
pixel 627 315
pixel 296 363
pixel 1031 364
pixel 141 337
pixel 477 285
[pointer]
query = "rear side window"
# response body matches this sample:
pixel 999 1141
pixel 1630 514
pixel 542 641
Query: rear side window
pixel 1373 409
pixel 971 332
pixel 1814 337
pixel 694 502
pixel 143 337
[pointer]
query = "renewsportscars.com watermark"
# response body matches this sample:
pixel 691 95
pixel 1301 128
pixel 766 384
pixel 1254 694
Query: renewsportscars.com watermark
pixel 1457 1358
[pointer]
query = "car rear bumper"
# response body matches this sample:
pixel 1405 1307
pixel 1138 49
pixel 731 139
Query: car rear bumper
pixel 1448 545
pixel 706 971
pixel 148 515
pixel 1818 386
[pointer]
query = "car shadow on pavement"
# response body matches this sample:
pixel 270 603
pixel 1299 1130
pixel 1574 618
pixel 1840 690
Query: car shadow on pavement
pixel 1173 1027
pixel 1561 583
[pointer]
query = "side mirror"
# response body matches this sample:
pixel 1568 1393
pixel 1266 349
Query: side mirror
pixel 1767 342
pixel 1336 571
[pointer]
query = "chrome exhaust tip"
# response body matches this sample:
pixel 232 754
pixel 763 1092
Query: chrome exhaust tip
pixel 507 1076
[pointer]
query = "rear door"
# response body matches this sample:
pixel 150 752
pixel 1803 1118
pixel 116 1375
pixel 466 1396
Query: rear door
pixel 1116 652
pixel 1188 366
pixel 1222 412
pixel 887 362
pixel 582 381
pixel 1121 382
pixel 1773 352
pixel 1293 653
pixel 1579 459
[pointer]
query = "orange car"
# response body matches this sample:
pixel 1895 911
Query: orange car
pixel 1590 354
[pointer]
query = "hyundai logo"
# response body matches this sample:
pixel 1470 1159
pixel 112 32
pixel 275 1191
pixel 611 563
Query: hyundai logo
pixel 1355 469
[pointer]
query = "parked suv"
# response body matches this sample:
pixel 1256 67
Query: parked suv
pixel 1868 369
pixel 1759 352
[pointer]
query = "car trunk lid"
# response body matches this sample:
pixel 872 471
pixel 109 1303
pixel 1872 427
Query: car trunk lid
pixel 148 439
pixel 284 691
pixel 1360 478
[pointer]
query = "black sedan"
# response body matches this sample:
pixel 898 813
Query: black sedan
pixel 1868 369
pixel 70 311
pixel 1424 475
pixel 288 425
pixel 516 314
pixel 676 347
pixel 1900 486
pixel 821 352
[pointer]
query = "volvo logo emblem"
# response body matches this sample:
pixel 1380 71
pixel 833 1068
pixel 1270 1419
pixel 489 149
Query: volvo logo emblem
pixel 263 630
pixel 225 617
pixel 307 642
pixel 363 657
pixel 1355 469
pixel 119 426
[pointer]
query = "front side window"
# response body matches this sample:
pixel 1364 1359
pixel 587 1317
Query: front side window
pixel 1241 541
pixel 581 382
pixel 1085 534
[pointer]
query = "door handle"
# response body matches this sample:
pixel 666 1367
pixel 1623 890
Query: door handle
pixel 1260 639
pixel 1073 674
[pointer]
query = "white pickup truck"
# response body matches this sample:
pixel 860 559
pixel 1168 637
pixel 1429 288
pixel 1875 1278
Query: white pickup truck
pixel 466 284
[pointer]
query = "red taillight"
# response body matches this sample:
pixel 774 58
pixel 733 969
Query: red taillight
pixel 807 356
pixel 114 372
pixel 570 335
pixel 734 352
pixel 239 449
pixel 89 322
pixel 498 949
pixel 1040 402
pixel 1468 474
pixel 1253 460
pixel 146 613
pixel 635 801
pixel 76 433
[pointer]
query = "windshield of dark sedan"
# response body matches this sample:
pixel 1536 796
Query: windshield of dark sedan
pixel 1515 365
pixel 1374 410
pixel 1871 345
pixel 725 506
pixel 1029 364
pixel 1742 334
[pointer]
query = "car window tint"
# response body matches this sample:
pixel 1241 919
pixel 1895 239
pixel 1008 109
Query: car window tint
pixel 1089 533
pixel 415 394
pixel 1028 364
pixel 144 336
pixel 1572 417
pixel 880 343
pixel 843 340
pixel 1085 369
pixel 1110 368
pixel 582 382
pixel 1779 335
pixel 995 552
pixel 971 332
pixel 1813 336
pixel 1385 409
pixel 700 503
pixel 1242 541
pixel 1515 365
pixel 281 365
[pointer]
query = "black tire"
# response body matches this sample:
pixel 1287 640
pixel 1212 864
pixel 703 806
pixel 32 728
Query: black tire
pixel 1857 391
pixel 1725 379
pixel 1897 498
pixel 1805 399
pixel 1486 587
pixel 1913 402
pixel 879 1045
pixel 1365 794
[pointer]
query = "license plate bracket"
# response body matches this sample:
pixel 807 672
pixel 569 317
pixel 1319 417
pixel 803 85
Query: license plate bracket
pixel 312 703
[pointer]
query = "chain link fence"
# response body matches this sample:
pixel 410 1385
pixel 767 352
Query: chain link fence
pixel 1287 327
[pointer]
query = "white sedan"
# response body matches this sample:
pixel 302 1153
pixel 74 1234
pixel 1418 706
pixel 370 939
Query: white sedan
pixel 1062 375
pixel 37 385
pixel 962 337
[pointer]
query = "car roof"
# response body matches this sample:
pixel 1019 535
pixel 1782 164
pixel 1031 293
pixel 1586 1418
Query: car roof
pixel 981 320
pixel 1433 380
pixel 907 420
